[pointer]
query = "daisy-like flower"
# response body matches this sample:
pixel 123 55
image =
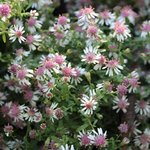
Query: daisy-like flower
pixel 145 29
pixel 90 55
pixel 16 112
pixel 123 128
pixel 121 104
pixel 84 138
pixel 86 17
pixel 112 67
pixel 59 59
pixel 143 141
pixel 33 24
pixel 89 104
pixel 32 114
pixel 142 107
pixel 33 41
pixel 63 21
pixel 121 31
pixel 8 129
pixel 134 129
pixel 50 111
pixel 5 11
pixel 92 32
pixel 99 138
pixel 67 147
pixel 122 89
pixel 106 17
pixel 101 60
pixel 34 13
pixel 20 53
pixel 16 32
pixel 127 12
pixel 78 72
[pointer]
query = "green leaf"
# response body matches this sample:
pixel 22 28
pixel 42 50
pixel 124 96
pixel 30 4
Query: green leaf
pixel 4 38
pixel 88 76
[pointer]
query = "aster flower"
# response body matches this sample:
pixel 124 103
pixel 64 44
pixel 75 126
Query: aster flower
pixel 133 84
pixel 88 103
pixel 76 77
pixel 2 98
pixel 134 129
pixel 143 141
pixel 32 115
pixel 123 128
pixel 121 31
pixel 33 24
pixel 99 138
pixel 92 32
pixel 86 17
pixel 121 104
pixel 84 138
pixel 8 129
pixel 101 60
pixel 145 29
pixel 127 12
pixel 15 144
pixel 90 55
pixel 67 147
pixel 63 22
pixel 16 32
pixel 112 67
pixel 5 11
pixel 106 17
pixel 33 40
pixel 142 107
pixel 20 53
pixel 122 89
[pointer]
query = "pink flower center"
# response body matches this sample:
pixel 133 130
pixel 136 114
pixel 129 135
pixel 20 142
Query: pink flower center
pixel 133 82
pixel 49 64
pixel 67 71
pixel 59 59
pixel 89 105
pixel 123 128
pixel 142 104
pixel 85 140
pixel 100 140
pixel 102 60
pixel 146 28
pixel 4 10
pixel 92 30
pixel 21 74
pixel 40 71
pixel 18 34
pixel 62 20
pixel 28 95
pixel 122 104
pixel 31 22
pixel 112 64
pixel 31 112
pixel 29 39
pixel 90 57
pixel 59 35
pixel 105 14
pixel 121 89
pixel 87 11
pixel 15 111
pixel 119 28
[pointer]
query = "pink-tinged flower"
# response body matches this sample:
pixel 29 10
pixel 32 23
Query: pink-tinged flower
pixel 123 128
pixel 20 53
pixel 127 12
pixel 143 141
pixel 76 77
pixel 92 31
pixel 63 22
pixel 59 59
pixel 106 17
pixel 101 60
pixel 40 71
pixel 90 55
pixel 58 113
pixel 134 129
pixel 33 24
pixel 84 138
pixel 133 84
pixel 67 70
pixel 34 13
pixel 112 67
pixel 49 64
pixel 50 111
pixel 43 126
pixel 145 29
pixel 5 11
pixel 142 107
pixel 121 104
pixel 88 103
pixel 121 31
pixel 86 17
pixel 67 147
pixel 32 134
pixel 99 138
pixel 122 89
pixel 16 112
pixel 8 129
pixel 32 41
pixel 16 32
pixel 32 115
